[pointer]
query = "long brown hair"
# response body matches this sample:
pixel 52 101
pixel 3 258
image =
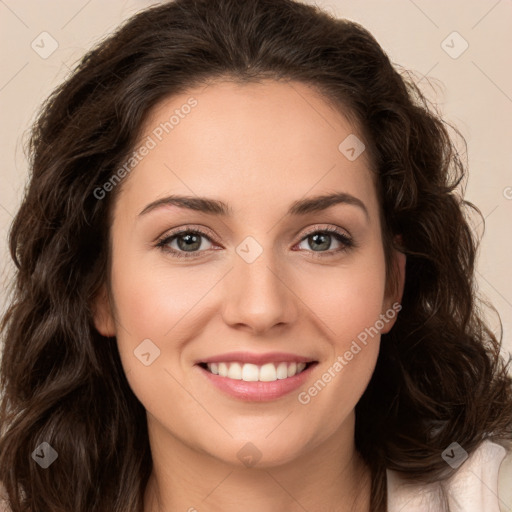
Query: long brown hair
pixel 439 376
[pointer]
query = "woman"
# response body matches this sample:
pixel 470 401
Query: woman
pixel 237 287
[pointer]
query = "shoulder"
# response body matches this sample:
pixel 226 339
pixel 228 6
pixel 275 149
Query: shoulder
pixel 481 483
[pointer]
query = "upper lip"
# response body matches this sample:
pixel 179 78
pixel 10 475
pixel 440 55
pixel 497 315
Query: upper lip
pixel 258 359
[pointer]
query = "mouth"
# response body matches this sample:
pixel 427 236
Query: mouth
pixel 256 377
pixel 249 372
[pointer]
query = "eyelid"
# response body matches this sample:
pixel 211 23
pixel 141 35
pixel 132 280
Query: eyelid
pixel 327 228
pixel 203 230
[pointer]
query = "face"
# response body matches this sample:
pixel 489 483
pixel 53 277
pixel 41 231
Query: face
pixel 215 313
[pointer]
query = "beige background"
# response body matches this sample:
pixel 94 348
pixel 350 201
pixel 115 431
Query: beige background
pixel 474 91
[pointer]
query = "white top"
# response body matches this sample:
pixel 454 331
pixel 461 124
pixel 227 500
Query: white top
pixel 483 483
pixel 474 487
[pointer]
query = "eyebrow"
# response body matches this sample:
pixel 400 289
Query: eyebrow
pixel 220 208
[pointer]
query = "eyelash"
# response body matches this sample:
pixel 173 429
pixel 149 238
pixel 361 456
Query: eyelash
pixel 162 243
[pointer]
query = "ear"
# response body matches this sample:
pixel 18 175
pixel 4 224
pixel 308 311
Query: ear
pixel 393 299
pixel 102 313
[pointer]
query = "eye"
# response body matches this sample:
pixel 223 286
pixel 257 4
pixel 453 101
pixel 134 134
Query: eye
pixel 188 241
pixel 320 239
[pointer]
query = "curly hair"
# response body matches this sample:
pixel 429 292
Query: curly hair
pixel 439 375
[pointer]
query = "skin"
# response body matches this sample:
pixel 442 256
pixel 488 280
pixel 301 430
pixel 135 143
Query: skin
pixel 258 148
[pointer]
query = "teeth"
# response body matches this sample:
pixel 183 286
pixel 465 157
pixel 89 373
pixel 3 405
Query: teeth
pixel 268 372
pixel 235 371
pixel 248 372
pixel 223 369
pixel 282 371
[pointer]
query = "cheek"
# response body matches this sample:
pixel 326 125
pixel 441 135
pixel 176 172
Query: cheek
pixel 164 306
pixel 354 339
pixel 155 315
pixel 152 298
pixel 347 300
pixel 349 305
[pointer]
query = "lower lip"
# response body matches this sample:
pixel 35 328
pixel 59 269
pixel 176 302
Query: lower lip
pixel 258 391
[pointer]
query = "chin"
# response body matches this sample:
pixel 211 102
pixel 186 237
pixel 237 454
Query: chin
pixel 259 451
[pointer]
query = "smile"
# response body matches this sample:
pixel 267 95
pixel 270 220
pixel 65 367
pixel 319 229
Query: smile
pixel 249 372
pixel 255 377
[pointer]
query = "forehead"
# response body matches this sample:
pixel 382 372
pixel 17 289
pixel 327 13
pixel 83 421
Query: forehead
pixel 243 142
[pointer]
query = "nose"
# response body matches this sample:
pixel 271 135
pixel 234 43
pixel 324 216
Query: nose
pixel 259 296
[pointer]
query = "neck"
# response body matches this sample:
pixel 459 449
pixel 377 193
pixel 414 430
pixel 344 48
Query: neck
pixel 330 476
